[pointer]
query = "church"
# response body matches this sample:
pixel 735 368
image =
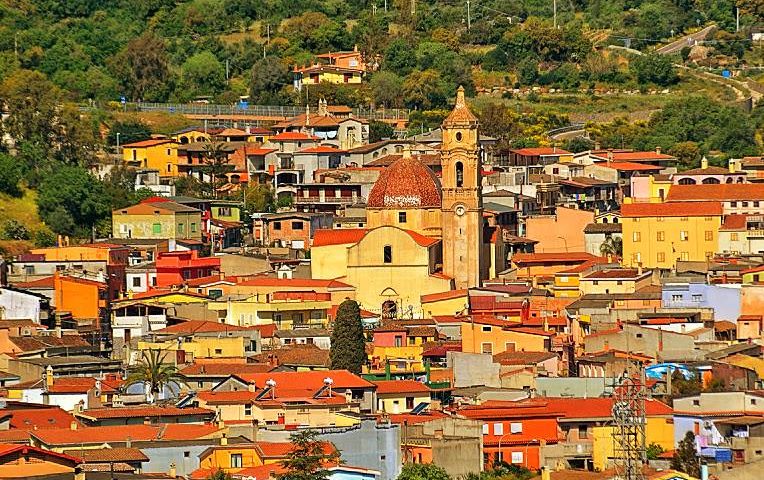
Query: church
pixel 423 234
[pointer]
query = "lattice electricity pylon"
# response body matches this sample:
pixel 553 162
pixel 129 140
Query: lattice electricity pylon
pixel 629 429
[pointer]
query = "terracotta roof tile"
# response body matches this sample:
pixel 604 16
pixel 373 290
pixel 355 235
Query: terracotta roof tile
pixel 522 358
pixel 199 326
pixel 522 258
pixel 292 136
pixel 144 411
pixel 225 369
pixel 674 209
pixel 39 418
pixel 720 192
pixel 400 386
pixel 119 454
pixel 45 282
pixel 539 151
pixel 407 183
pixel 630 166
pixel 734 222
pixel 451 294
pixel 120 433
pixel 148 143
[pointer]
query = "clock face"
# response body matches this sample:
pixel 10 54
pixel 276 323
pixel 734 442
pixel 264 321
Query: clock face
pixel 460 210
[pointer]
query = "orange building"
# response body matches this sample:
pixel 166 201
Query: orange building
pixel 23 461
pixel 546 265
pixel 83 298
pixel 491 335
pixel 515 434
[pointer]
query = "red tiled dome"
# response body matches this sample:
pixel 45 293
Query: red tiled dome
pixel 407 183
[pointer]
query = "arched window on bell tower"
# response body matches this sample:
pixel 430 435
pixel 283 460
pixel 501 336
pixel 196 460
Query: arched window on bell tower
pixel 459 174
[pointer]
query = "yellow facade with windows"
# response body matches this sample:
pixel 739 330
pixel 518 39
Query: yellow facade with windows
pixel 259 309
pixel 160 155
pixel 659 235
pixel 658 430
pixel 203 347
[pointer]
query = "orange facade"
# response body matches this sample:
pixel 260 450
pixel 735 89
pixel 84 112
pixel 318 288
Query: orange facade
pixel 82 298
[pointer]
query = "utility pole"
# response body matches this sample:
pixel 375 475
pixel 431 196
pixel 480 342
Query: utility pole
pixel 469 20
pixel 554 12
pixel 413 7
pixel 385 6
pixel 16 45
pixel 737 19
pixel 226 70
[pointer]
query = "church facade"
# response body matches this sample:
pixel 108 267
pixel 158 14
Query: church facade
pixel 424 234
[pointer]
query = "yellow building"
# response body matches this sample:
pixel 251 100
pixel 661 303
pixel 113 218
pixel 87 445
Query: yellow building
pixel 158 154
pixel 191 135
pixel 284 309
pixel 497 336
pixel 651 188
pixel 657 235
pixel 400 396
pixel 202 339
pixel 157 220
pixel 445 303
pixel 658 430
pixel 614 281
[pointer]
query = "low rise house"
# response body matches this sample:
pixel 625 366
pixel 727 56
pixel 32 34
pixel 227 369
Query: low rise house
pixel 24 461
pixel 158 218
pixel 401 396
pixel 143 414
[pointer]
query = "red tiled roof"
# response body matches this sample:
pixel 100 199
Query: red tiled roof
pixel 39 418
pixel 14 436
pixel 341 236
pixel 734 222
pixel 522 358
pixel 148 143
pixel 292 136
pixel 569 257
pixel 163 293
pixel 720 192
pixel 45 282
pixel 144 411
pixel 200 326
pixel 312 379
pixel 260 151
pixel 400 386
pixel 407 183
pixel 434 297
pixel 538 151
pixel 321 149
pixel 65 385
pixel 623 156
pixel 411 419
pixel 616 273
pixel 674 209
pixel 106 455
pixel 7 449
pixel 293 282
pixel 84 281
pixel 225 369
pixel 120 433
pixel 629 166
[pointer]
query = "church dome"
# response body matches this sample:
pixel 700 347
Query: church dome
pixel 406 183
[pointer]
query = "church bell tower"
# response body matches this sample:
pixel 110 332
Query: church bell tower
pixel 462 207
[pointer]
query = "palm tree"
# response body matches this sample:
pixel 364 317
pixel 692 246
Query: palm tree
pixel 612 246
pixel 153 372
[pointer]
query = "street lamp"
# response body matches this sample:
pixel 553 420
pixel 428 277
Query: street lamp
pixel 566 242
pixel 118 143
pixel 500 439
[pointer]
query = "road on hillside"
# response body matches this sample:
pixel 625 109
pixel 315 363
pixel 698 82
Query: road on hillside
pixel 686 41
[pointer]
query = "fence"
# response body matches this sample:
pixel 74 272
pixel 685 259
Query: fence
pixel 284 111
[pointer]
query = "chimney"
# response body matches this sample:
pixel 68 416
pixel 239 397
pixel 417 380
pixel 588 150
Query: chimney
pixel 172 472
pixel 639 269
pixel 223 440
pixel 48 377
pixel 732 165
pixel 73 425
pixel 545 473
pixel 252 387
pixel 658 150
pixel 597 145
pixel 704 163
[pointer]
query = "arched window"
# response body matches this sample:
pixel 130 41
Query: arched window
pixel 387 254
pixel 729 180
pixel 615 220
pixel 710 181
pixel 686 181
pixel 459 174
pixel 604 220
pixel 740 180
pixel 389 309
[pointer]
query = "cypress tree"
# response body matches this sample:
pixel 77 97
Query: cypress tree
pixel 348 350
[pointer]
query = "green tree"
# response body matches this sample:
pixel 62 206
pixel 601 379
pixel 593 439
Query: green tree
pixel 380 130
pixel 423 471
pixel 155 373
pixel 13 230
pixel 71 201
pixel 612 246
pixel 386 89
pixel 686 457
pixel 260 198
pixel 500 121
pixel 687 154
pixel 424 90
pixel 203 74
pixel 219 475
pixel 216 164
pixel 654 68
pixel 398 57
pixel 654 451
pixel 348 350
pixel 132 130
pixel 578 144
pixel 10 175
pixel 269 76
pixel 142 68
pixel 308 458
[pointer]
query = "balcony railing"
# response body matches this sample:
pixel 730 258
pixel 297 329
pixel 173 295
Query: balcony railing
pixel 316 199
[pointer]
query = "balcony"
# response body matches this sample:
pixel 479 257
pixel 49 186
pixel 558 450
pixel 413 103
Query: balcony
pixel 318 199
pixel 755 233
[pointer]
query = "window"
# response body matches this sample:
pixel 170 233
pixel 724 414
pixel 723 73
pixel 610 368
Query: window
pixel 697 297
pixel 583 431
pixel 459 174
pixel 756 204
pixel 248 409
pixel 676 298
pixel 744 204
pixel 486 348
pixel 696 403
pixel 498 429
pixel 297 225
pixel 458 136
pixel 137 281
pixel 401 217
pixel 516 427
pixel 218 351
pixel 186 454
pixel 277 225
pixel 753 401
pixel 636 236
pixel 387 254
pixel 193 227
pixel 661 236
pixel 236 460
pixel 156 228
pixel 486 328
pixel 398 341
pixel 684 219
pixel 684 236
pixel 200 385
pixel 485 429
pixel 733 237
pixel 181 228
pixel 517 457
pixel 733 204
pixel 409 403
pixel 684 256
